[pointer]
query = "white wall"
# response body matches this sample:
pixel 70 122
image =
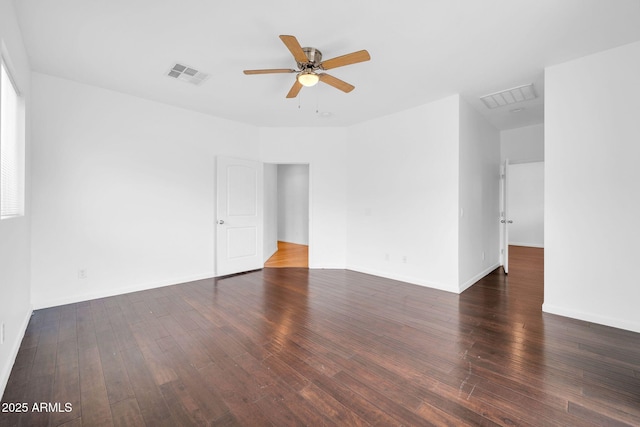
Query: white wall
pixel 526 204
pixel 293 204
pixel 592 183
pixel 124 188
pixel 270 240
pixel 479 199
pixel 403 195
pixel 522 145
pixel 15 305
pixel 324 149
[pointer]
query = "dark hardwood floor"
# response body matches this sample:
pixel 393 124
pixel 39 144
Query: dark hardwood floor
pixel 326 347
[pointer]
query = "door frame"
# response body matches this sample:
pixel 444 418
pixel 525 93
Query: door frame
pixel 504 217
pixel 310 205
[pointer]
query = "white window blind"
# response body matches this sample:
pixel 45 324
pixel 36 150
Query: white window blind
pixel 11 149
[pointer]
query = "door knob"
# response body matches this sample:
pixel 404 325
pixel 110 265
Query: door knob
pixel 509 222
pixel 221 222
pixel 502 221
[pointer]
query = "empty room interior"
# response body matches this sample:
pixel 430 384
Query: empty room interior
pixel 339 213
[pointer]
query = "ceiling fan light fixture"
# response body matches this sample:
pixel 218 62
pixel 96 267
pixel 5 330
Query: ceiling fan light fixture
pixel 308 78
pixel 311 67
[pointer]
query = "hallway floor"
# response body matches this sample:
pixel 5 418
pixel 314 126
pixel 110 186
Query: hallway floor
pixel 289 255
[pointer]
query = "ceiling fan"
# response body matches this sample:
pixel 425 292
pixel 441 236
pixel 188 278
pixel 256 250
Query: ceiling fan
pixel 311 65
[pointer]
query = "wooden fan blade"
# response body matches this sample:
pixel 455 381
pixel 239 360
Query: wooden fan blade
pixel 270 71
pixel 337 83
pixel 350 58
pixel 295 89
pixel 294 47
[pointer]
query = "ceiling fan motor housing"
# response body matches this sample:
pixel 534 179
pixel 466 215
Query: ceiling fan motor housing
pixel 314 56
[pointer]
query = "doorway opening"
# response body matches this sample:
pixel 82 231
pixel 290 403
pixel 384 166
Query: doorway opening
pixel 287 215
pixel 523 216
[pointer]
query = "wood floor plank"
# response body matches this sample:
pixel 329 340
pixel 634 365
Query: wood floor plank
pixel 95 407
pixel 191 384
pixel 304 411
pixel 239 396
pixel 116 379
pixel 182 405
pixel 40 389
pixel 158 306
pixel 126 413
pixel 32 334
pixel 396 409
pixel 596 417
pixel 76 422
pixel 360 405
pixel 158 363
pixel 44 362
pixel 192 348
pixel 217 344
pixel 292 346
pixel 94 398
pixel 334 410
pixel 277 412
pixel 121 329
pixel 66 390
pixel 21 371
pixel 150 401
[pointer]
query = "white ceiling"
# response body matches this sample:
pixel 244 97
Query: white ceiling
pixel 421 50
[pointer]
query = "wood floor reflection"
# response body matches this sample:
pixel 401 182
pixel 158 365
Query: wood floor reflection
pixel 326 347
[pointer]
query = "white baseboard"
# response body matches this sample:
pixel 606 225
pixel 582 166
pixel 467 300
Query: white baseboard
pixel 269 255
pixel 419 282
pixel 103 293
pixel 6 370
pixel 401 278
pixel 326 266
pixel 464 286
pixel 530 245
pixel 590 317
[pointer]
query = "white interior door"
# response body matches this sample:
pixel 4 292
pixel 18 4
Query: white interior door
pixel 239 219
pixel 504 217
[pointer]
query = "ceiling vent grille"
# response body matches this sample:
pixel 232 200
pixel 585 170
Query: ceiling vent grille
pixel 509 96
pixel 187 74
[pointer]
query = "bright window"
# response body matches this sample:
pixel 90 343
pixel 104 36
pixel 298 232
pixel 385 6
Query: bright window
pixel 11 148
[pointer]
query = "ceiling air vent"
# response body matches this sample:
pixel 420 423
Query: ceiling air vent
pixel 509 96
pixel 187 74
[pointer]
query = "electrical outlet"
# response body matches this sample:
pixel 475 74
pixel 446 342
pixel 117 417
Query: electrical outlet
pixel 82 273
pixel 2 333
pixel 483 255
